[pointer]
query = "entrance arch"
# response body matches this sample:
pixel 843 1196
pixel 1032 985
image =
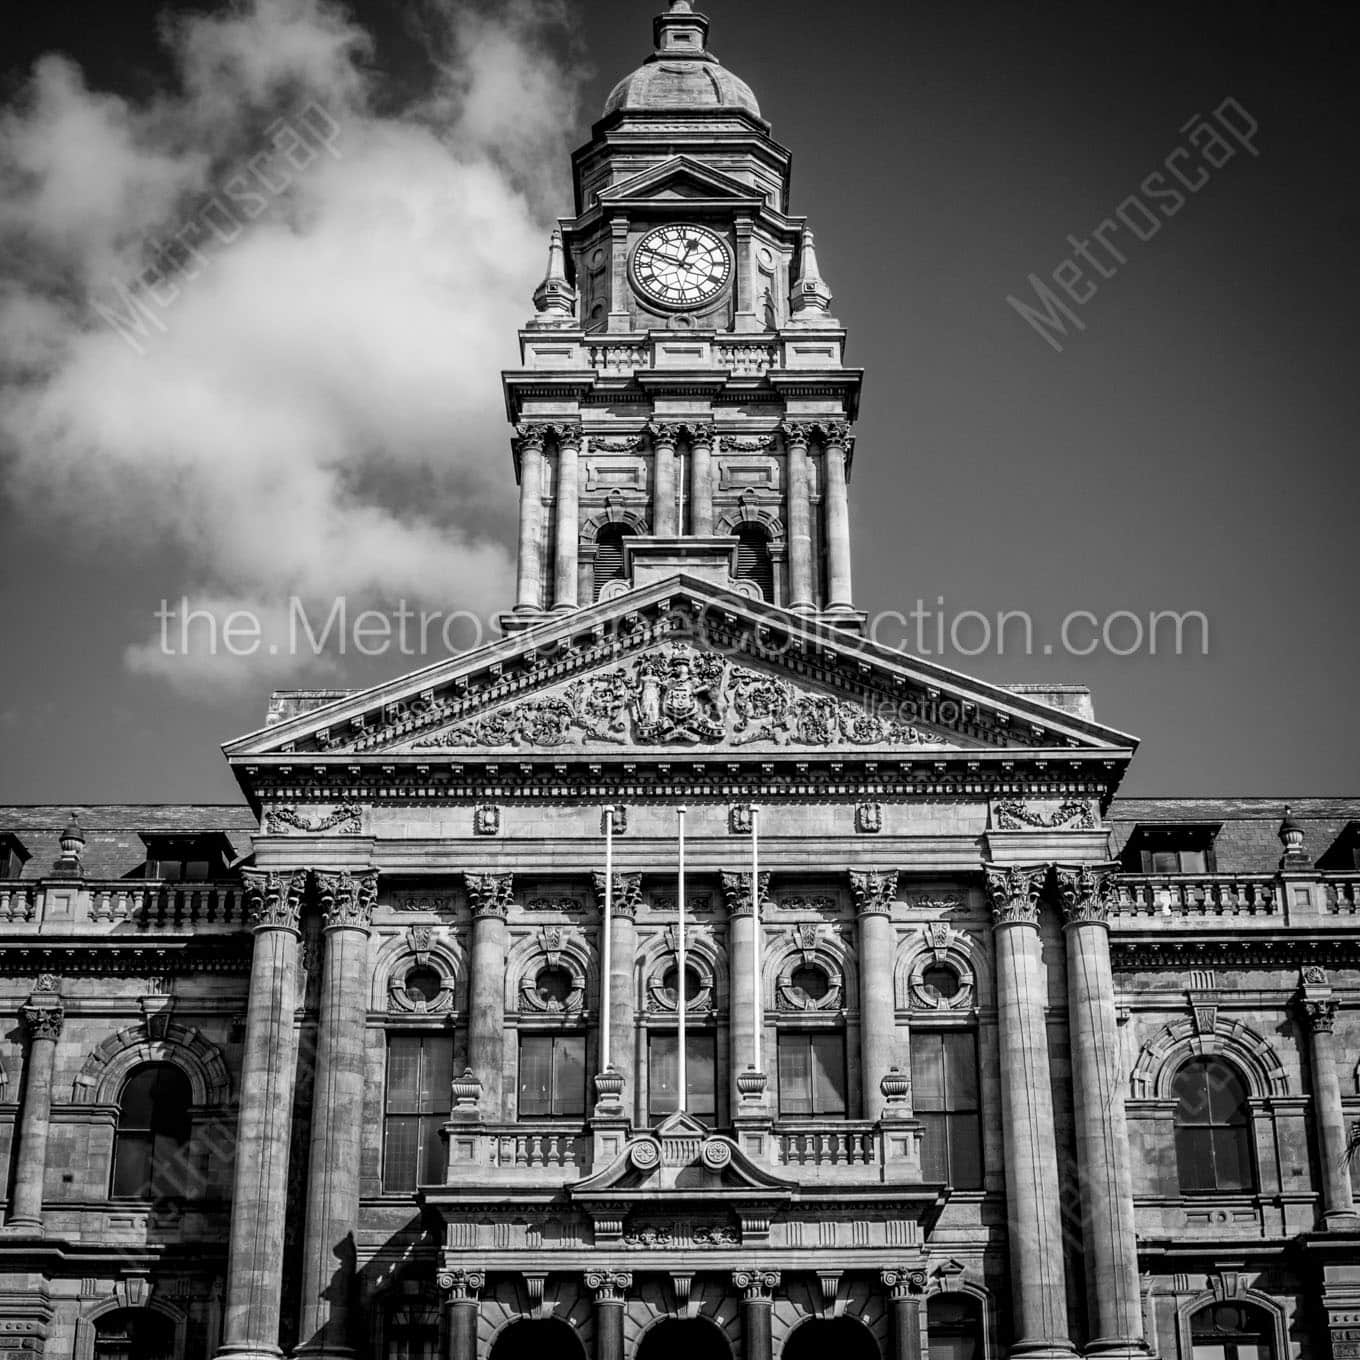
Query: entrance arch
pixel 816 1338
pixel 684 1339
pixel 534 1338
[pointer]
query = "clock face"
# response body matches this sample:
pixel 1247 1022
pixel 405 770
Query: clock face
pixel 681 266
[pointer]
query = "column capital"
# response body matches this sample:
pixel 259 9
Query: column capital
pixel 904 1282
pixel 665 431
pixel 736 886
pixel 874 890
pixel 1014 890
pixel 490 894
pixel 43 1015
pixel 1319 1014
pixel 347 899
pixel 567 436
pixel 461 1286
pixel 835 433
pixel 756 1284
pixel 274 900
pixel 532 436
pixel 609 1286
pixel 627 893
pixel 797 431
pixel 702 433
pixel 1086 892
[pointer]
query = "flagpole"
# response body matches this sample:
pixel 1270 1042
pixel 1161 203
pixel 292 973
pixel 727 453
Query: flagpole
pixel 682 998
pixel 756 1001
pixel 606 950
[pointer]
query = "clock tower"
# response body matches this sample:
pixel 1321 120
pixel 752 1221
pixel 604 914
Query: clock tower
pixel 682 404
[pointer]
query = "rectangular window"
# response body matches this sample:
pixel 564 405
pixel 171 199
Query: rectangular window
pixel 944 1079
pixel 419 1097
pixel 663 1074
pixel 812 1073
pixel 552 1076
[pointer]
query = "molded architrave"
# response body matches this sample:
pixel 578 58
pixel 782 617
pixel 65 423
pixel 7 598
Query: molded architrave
pixel 1162 1056
pixel 101 1077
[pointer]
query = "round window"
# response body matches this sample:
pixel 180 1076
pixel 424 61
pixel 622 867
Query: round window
pixel 670 984
pixel 810 982
pixel 939 980
pixel 423 984
pixel 554 986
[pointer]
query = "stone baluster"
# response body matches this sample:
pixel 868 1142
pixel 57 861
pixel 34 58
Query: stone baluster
pixel 1317 1009
pixel 757 1306
pixel 874 893
pixel 332 1218
pixel 796 438
pixel 610 1288
pixel 567 575
pixel 42 1016
pixel 529 451
pixel 1109 1229
pixel 462 1290
pixel 836 499
pixel 490 896
pixel 622 960
pixel 259 1206
pixel 703 444
pixel 905 1287
pixel 1033 1202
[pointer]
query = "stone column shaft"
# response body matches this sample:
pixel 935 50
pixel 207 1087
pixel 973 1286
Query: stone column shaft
pixel 800 519
pixel 264 1122
pixel 490 895
pixel 1109 1230
pixel 665 501
pixel 568 523
pixel 836 498
pixel 874 894
pixel 1033 1214
pixel 1338 1199
pixel 741 949
pixel 906 1312
pixel 329 1247
pixel 701 484
pixel 529 588
pixel 42 1015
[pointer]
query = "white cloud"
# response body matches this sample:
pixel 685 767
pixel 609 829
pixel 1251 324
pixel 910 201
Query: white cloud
pixel 305 400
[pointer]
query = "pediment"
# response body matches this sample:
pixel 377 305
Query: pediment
pixel 680 667
pixel 682 177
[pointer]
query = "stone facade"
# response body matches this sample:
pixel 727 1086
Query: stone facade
pixel 982 1059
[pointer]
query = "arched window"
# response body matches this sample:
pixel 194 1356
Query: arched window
pixel 754 562
pixel 151 1145
pixel 1213 1127
pixel 609 555
pixel 954 1325
pixel 134 1334
pixel 1231 1331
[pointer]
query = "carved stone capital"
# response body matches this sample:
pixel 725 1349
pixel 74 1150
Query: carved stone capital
pixel 1319 1014
pixel 701 434
pixel 835 433
pixel 532 436
pixel 756 1285
pixel 43 1017
pixel 461 1285
pixel 1086 892
pixel 1014 890
pixel 797 431
pixel 904 1282
pixel 664 431
pixel 874 890
pixel 347 900
pixel 609 1286
pixel 490 894
pixel 627 896
pixel 274 900
pixel 736 887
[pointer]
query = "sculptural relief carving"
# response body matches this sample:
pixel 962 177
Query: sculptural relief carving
pixel 346 820
pixel 1074 814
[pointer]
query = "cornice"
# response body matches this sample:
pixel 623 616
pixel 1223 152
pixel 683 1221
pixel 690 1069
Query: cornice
pixel 1139 953
pixel 72 958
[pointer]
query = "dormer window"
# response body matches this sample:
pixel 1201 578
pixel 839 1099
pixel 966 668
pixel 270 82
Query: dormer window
pixel 186 859
pixel 1165 849
pixel 1343 855
pixel 13 856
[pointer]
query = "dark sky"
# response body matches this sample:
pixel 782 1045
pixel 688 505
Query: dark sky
pixel 1190 449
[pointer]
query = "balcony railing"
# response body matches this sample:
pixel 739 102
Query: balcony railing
pixel 1343 894
pixel 522 1147
pixel 1198 895
pixel 824 1145
pixel 18 902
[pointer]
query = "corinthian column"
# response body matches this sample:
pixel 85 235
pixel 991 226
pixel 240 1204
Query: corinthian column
pixel 1033 1216
pixel 1317 1007
pixel 329 1248
pixel 259 1205
pixel 42 1016
pixel 800 517
pixel 490 896
pixel 840 592
pixel 1108 1228
pixel 702 443
pixel 665 502
pixel 874 893
pixel 757 1305
pixel 568 518
pixel 622 955
pixel 741 944
pixel 529 587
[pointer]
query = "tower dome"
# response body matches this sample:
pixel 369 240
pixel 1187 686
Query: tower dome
pixel 682 73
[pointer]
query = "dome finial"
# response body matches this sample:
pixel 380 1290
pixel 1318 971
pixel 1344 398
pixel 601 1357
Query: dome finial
pixel 555 298
pixel 680 32
pixel 811 297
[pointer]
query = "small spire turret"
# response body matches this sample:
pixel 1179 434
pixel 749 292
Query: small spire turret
pixel 811 298
pixel 555 298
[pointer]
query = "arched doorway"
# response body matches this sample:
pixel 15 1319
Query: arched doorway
pixel 134 1334
pixel 684 1339
pixel 534 1338
pixel 817 1338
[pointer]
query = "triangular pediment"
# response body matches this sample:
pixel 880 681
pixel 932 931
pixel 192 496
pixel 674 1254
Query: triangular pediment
pixel 681 668
pixel 681 177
